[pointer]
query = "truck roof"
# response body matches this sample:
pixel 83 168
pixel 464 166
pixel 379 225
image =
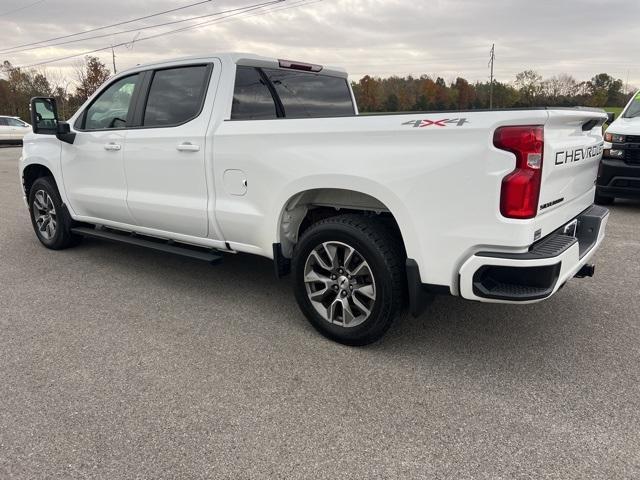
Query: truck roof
pixel 238 58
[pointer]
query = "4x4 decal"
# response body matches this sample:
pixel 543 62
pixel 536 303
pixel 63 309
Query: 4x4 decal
pixel 458 122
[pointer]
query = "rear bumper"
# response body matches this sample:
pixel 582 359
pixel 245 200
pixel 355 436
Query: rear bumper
pixel 538 273
pixel 618 179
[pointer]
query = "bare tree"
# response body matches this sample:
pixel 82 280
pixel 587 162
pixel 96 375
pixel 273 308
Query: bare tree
pixel 529 83
pixel 90 75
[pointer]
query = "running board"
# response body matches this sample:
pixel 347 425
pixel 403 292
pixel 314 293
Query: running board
pixel 168 246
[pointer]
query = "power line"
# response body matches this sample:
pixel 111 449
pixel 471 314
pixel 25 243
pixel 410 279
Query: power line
pixel 169 32
pixel 174 22
pixel 20 8
pixel 299 3
pixel 107 26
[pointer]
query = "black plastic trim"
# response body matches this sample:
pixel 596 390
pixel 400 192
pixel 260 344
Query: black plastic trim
pixel 510 283
pixel 208 255
pixel 619 192
pixel 421 294
pixel 613 170
pixel 523 283
pixel 281 264
pixel 555 244
pixel 140 99
pixel 589 225
pixel 274 93
pixel 551 246
pixel 34 120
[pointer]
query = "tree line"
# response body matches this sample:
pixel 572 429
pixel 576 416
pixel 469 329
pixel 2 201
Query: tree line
pixel 19 85
pixel 373 94
pixel 529 89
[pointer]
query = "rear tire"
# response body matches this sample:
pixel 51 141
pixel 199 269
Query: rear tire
pixel 602 200
pixel 349 278
pixel 49 216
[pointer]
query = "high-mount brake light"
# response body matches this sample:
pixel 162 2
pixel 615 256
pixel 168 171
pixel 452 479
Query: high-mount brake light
pixel 521 188
pixel 305 67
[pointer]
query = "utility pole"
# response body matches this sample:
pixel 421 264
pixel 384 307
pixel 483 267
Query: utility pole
pixel 491 61
pixel 113 56
pixel 626 85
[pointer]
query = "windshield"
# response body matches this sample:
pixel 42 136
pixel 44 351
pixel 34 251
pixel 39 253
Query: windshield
pixel 633 110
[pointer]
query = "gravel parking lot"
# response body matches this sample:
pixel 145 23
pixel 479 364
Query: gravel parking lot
pixel 117 362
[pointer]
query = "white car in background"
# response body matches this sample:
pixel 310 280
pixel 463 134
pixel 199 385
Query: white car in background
pixel 13 130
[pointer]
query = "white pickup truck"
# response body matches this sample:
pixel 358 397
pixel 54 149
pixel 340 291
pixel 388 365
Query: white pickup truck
pixel 239 153
pixel 619 174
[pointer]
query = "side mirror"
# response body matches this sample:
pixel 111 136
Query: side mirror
pixel 45 121
pixel 64 133
pixel 611 116
pixel 44 115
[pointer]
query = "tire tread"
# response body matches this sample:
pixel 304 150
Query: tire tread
pixel 66 239
pixel 389 245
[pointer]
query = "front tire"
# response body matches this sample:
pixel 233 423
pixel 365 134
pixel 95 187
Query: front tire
pixel 50 219
pixel 349 279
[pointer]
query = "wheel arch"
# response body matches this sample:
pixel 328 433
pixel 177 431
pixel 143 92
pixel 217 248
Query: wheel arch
pixel 33 171
pixel 299 207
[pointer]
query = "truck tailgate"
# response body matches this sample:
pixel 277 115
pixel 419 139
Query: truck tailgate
pixel 573 149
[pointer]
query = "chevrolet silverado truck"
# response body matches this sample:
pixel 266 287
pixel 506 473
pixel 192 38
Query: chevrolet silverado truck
pixel 239 153
pixel 619 174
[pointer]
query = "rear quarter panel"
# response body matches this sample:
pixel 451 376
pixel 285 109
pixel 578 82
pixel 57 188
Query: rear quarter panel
pixel 441 181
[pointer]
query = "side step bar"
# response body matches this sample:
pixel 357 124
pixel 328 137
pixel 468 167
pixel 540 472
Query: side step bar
pixel 212 256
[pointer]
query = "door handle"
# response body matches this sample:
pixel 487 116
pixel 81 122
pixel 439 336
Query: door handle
pixel 112 147
pixel 188 147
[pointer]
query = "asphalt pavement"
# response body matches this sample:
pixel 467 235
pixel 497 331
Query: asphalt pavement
pixel 118 363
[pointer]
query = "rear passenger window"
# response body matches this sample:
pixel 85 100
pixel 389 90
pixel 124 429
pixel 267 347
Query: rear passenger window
pixel 252 98
pixel 176 96
pixel 3 122
pixel 305 95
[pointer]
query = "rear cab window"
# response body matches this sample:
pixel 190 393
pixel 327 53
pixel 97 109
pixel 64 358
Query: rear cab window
pixel 309 95
pixel 252 98
pixel 264 93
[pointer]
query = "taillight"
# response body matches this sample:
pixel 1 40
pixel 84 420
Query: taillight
pixel 521 188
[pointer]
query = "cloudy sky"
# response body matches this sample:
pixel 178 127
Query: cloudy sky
pixel 447 38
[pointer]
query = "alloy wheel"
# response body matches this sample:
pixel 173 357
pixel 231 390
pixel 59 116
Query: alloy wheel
pixel 44 214
pixel 340 284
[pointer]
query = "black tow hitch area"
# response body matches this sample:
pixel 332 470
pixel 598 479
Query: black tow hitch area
pixel 586 271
